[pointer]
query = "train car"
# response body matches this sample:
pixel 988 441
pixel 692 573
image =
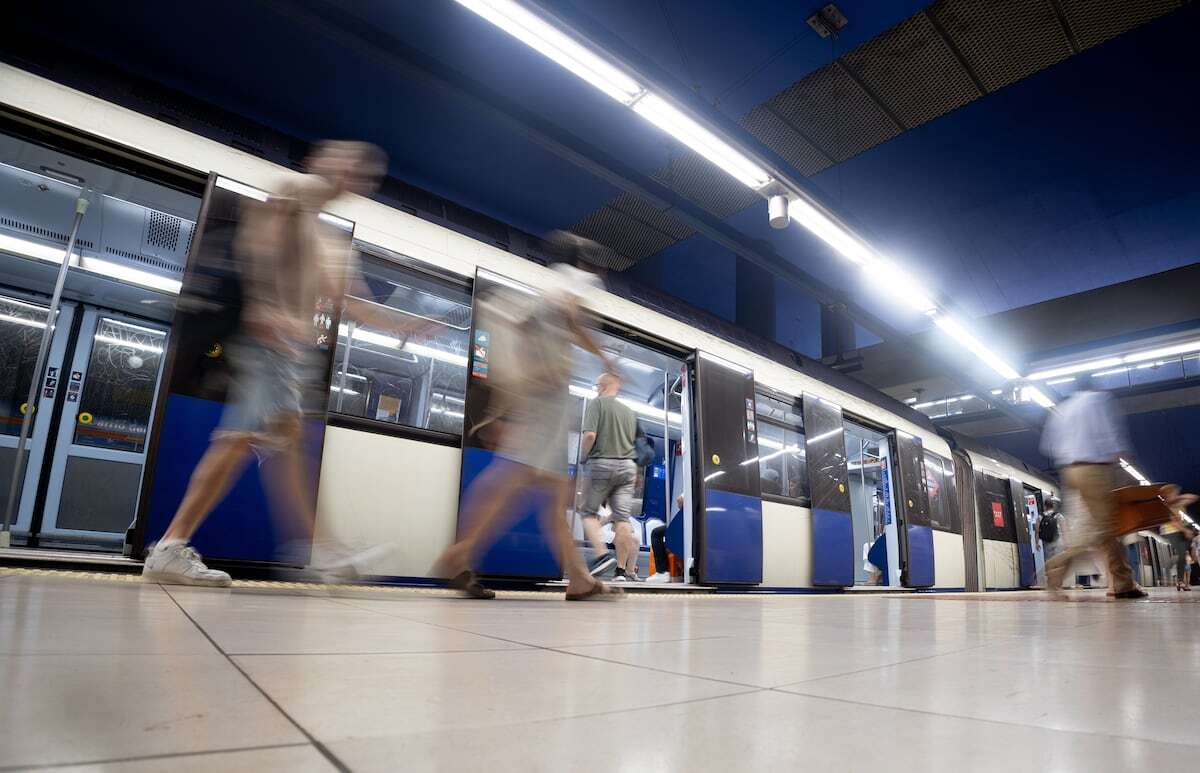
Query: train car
pixel 792 475
pixel 1002 501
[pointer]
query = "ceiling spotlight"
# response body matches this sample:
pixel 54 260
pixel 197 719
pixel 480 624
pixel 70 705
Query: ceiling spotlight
pixel 777 211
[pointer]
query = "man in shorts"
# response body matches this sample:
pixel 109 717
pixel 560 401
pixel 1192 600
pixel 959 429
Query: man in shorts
pixel 289 260
pixel 608 445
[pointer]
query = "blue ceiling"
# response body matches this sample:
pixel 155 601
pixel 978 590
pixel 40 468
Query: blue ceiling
pixel 1080 176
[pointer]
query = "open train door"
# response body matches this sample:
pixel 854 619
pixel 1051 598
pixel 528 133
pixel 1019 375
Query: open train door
pixel 832 523
pixel 1026 563
pixel 916 538
pixel 728 515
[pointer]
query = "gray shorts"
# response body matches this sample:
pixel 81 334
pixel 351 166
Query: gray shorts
pixel 264 393
pixel 609 480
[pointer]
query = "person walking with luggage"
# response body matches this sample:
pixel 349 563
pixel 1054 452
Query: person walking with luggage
pixel 1085 437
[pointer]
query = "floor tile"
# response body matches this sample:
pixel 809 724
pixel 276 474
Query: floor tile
pixel 760 731
pixel 64 618
pixel 300 759
pixel 59 709
pixel 263 623
pixel 338 697
pixel 1141 703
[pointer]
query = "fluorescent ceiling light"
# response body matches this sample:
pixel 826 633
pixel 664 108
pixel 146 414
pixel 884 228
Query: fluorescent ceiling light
pixel 1037 396
pixel 1166 351
pixel 241 189
pixel 132 275
pixel 1078 367
pixel 9 318
pixel 128 344
pixel 391 342
pixel 1110 372
pixel 1134 472
pixel 960 334
pixel 1057 381
pixel 645 409
pixel 684 128
pixel 557 46
pixel 29 249
pixel 888 276
pixel 830 232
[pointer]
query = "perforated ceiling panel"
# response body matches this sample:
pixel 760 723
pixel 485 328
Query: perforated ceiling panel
pixel 832 109
pixel 1095 21
pixel 913 70
pixel 1004 41
pixel 780 136
pixel 934 62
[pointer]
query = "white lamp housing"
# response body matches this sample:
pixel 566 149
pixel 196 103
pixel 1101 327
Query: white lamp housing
pixel 777 211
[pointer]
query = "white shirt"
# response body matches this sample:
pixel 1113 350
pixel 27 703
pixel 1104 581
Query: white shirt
pixel 1085 428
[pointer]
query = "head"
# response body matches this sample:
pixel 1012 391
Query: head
pixel 679 501
pixel 349 167
pixel 608 385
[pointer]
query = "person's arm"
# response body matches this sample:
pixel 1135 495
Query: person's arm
pixel 585 341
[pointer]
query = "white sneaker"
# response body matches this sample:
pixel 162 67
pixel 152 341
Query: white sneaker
pixel 659 578
pixel 180 564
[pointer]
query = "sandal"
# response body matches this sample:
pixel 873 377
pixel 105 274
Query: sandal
pixel 468 585
pixel 599 591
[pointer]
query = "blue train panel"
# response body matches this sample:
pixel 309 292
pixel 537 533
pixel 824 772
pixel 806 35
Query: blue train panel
pixel 1026 564
pixel 832 548
pixel 733 534
pixel 241 527
pixel 920 557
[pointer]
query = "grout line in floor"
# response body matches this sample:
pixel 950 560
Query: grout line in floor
pixel 144 757
pixel 320 747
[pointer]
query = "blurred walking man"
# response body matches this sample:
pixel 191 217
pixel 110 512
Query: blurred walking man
pixel 288 262
pixel 1086 437
pixel 609 434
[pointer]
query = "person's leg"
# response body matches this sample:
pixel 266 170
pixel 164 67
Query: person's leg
pixel 597 488
pixel 620 499
pixel 579 579
pixel 484 505
pixel 625 544
pixel 1095 485
pixel 215 474
pixel 594 534
pixel 287 481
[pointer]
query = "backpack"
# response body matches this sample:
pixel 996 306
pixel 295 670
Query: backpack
pixel 1048 527
pixel 643 449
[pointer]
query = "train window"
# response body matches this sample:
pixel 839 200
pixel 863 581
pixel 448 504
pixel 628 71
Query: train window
pixel 414 375
pixel 943 500
pixel 782 463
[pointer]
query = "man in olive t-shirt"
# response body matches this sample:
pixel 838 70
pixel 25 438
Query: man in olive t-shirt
pixel 609 435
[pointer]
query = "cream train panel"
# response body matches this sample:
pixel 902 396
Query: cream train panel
pixel 787 546
pixel 396 230
pixel 378 490
pixel 948 570
pixel 1000 560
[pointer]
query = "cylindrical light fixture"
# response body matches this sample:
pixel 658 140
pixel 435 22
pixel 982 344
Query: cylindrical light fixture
pixel 777 211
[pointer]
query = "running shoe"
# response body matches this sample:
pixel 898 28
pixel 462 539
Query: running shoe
pixel 601 564
pixel 180 564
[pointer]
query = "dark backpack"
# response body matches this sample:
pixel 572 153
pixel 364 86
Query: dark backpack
pixel 1048 528
pixel 643 449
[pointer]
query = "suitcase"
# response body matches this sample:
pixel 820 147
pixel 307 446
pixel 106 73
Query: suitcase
pixel 1141 508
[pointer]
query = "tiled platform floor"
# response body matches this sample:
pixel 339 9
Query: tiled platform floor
pixel 107 673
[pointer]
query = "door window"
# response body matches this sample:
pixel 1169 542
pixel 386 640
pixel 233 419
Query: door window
pixel 118 393
pixel 21 328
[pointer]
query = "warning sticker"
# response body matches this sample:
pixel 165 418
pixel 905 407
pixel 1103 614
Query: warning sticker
pixel 997 514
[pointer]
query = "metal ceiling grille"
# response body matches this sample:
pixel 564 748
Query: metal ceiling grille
pixel 1004 41
pixel 830 107
pixel 914 71
pixel 1095 21
pixel 780 136
pixel 930 64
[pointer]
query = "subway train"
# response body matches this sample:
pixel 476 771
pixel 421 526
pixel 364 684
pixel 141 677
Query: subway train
pixel 792 476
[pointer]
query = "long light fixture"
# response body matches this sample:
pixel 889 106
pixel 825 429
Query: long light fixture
pixel 849 246
pixel 960 334
pixel 1110 365
pixel 391 342
pixel 557 46
pixel 107 339
pixel 645 409
pixel 30 249
pixel 687 130
pixel 1134 472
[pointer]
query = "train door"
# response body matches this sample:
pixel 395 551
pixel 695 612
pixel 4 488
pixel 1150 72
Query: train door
pixel 1033 515
pixel 871 473
pixel 22 324
pixel 107 396
pixel 915 528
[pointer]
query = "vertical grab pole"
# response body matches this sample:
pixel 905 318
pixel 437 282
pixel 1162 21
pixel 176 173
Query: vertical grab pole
pixel 35 384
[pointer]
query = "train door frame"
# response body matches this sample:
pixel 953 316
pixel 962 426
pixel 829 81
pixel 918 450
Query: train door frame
pixel 66 415
pixel 27 519
pixel 893 533
pixel 975 571
pixel 1038 549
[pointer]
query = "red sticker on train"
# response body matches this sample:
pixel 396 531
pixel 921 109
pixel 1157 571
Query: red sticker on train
pixel 997 514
